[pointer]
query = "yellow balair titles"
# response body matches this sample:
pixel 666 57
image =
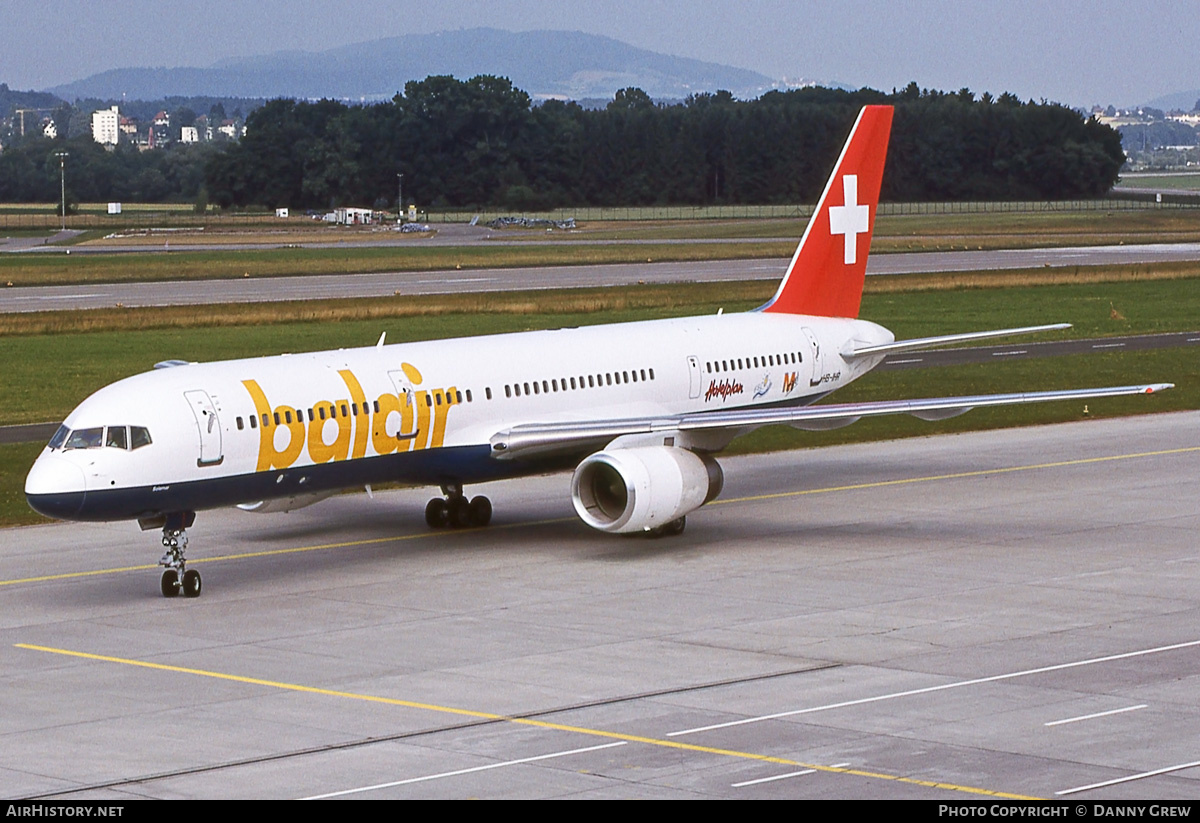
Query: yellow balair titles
pixel 343 429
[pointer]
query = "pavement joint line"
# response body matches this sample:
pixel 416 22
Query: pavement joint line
pixel 719 502
pixel 523 721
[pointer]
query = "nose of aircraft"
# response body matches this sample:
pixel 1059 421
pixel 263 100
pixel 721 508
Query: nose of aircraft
pixel 55 487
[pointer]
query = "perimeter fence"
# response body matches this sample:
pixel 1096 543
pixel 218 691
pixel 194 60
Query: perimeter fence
pixel 141 217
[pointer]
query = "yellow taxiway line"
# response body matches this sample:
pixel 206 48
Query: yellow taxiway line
pixel 524 721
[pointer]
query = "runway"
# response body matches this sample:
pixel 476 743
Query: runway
pixel 952 617
pixel 326 287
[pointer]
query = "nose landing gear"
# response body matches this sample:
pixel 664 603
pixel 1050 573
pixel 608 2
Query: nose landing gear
pixel 176 577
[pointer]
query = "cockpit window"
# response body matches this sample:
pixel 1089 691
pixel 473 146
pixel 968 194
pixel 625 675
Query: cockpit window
pixel 139 436
pixel 86 438
pixel 118 437
pixel 59 438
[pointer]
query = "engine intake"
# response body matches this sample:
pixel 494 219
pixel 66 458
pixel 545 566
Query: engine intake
pixel 638 489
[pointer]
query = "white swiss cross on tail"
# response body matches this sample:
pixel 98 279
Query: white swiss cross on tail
pixel 826 274
pixel 850 219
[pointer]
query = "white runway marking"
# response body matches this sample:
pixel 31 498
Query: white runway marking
pixel 1092 716
pixel 463 771
pixel 1131 778
pixel 943 687
pixel 1009 353
pixel 1107 345
pixel 784 776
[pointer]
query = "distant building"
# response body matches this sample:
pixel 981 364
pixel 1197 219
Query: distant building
pixel 49 129
pixel 129 127
pixel 351 216
pixel 160 130
pixel 106 125
pixel 188 134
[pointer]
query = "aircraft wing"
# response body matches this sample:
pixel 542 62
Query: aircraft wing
pixel 529 439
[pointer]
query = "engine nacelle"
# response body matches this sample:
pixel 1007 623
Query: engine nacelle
pixel 285 504
pixel 637 489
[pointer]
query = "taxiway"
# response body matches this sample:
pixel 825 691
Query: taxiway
pixel 388 284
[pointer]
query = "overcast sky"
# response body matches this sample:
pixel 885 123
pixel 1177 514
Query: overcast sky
pixel 1077 52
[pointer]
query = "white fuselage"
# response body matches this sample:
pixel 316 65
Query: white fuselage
pixel 297 425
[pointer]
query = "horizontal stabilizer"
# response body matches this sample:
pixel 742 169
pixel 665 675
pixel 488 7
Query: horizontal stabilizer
pixel 947 339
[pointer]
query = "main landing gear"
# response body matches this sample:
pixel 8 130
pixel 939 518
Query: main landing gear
pixel 176 577
pixel 456 512
pixel 672 529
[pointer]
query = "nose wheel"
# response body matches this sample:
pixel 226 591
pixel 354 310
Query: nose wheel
pixel 176 577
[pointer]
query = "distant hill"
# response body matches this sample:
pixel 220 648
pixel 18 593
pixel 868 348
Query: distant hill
pixel 1183 100
pixel 566 64
pixel 10 100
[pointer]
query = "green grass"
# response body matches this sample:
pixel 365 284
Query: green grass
pixel 1182 181
pixel 15 460
pixel 81 362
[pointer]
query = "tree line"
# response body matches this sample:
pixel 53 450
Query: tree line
pixel 481 142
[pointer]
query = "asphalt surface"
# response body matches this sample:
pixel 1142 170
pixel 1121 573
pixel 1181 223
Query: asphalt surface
pixel 954 618
pixel 325 287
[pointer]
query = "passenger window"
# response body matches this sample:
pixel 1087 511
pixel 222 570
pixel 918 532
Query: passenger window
pixel 240 423
pixel 254 421
pixel 138 436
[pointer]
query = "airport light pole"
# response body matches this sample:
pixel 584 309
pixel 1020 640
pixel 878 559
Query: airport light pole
pixel 62 183
pixel 399 198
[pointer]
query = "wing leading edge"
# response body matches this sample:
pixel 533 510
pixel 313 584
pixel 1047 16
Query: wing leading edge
pixel 527 440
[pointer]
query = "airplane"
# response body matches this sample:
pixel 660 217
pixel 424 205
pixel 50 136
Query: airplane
pixel 635 410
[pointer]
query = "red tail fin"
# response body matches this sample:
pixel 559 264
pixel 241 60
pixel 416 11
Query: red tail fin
pixel 826 274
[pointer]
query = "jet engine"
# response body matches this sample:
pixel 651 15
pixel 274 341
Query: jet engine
pixel 643 488
pixel 285 504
